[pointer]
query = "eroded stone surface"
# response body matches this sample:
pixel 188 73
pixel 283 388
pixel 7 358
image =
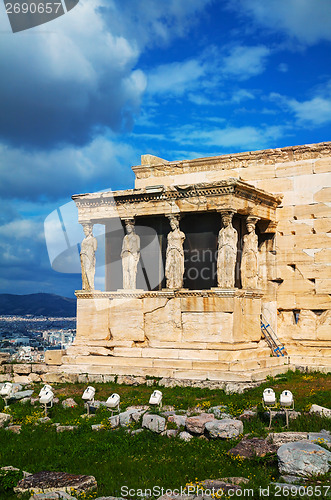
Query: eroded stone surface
pixel 303 459
pixel 154 423
pixel 197 424
pixel 249 448
pixel 226 428
pixel 46 482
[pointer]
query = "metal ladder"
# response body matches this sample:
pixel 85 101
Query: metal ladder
pixel 272 340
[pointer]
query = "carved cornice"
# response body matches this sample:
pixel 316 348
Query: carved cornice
pixel 239 160
pixel 231 186
pixel 168 294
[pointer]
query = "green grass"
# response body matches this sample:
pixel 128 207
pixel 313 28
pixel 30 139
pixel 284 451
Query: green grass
pixel 117 459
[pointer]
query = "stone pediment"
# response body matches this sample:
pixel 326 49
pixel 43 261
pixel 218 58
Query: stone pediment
pixel 230 194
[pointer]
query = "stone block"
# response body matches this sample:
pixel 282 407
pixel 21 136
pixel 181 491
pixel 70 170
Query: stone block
pixel 313 211
pixel 207 304
pixel 303 459
pixel 247 325
pixel 276 185
pixel 163 319
pixel 54 357
pixel 322 165
pixel 132 327
pixel 93 318
pixel 207 327
pixel 22 369
pixel 196 425
pixel 323 256
pixel 226 428
pixel 154 423
pixel 323 286
pixel 257 172
pixel 39 368
pixel 323 225
pixel 289 169
pixel 323 195
pixel 313 301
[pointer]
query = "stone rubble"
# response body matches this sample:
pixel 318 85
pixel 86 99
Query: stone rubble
pixel 226 429
pixel 303 459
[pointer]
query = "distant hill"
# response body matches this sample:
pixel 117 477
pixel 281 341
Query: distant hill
pixel 38 304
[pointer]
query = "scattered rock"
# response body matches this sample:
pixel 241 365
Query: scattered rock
pixel 4 419
pixel 185 436
pixel 170 433
pixel 227 428
pixel 320 438
pixel 110 498
pixel 154 423
pixel 248 415
pixel 292 479
pixel 64 428
pixel 46 482
pixel 179 420
pixel 137 431
pixel 11 468
pixel 44 420
pixel 249 448
pixel 55 495
pixel 24 401
pixel 97 427
pixel 21 395
pixel 215 485
pixel 196 425
pixel 125 418
pixel 69 403
pixel 114 421
pixel 14 428
pixel 324 412
pixel 279 438
pixel 303 459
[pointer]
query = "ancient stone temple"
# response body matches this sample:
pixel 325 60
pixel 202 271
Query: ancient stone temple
pixel 195 254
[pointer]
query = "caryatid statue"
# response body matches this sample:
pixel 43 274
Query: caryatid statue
pixel 227 252
pixel 87 256
pixel 249 261
pixel 174 268
pixel 130 256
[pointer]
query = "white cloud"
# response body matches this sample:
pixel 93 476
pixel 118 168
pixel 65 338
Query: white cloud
pixel 314 111
pixel 243 62
pixel 61 172
pixel 245 137
pixel 80 72
pixel 177 77
pixel 307 21
pixel 207 71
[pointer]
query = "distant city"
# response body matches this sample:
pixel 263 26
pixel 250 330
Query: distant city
pixel 27 337
pixel 31 324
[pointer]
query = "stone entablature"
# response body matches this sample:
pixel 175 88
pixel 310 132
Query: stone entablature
pixel 160 168
pixel 231 193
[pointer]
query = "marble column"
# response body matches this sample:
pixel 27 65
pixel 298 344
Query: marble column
pixel 227 252
pixel 174 269
pixel 250 255
pixel 130 255
pixel 87 256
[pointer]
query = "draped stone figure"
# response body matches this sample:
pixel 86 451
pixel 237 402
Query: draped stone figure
pixel 87 257
pixel 227 252
pixel 174 269
pixel 130 256
pixel 249 261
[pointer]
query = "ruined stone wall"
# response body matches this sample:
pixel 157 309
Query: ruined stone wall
pixel 296 263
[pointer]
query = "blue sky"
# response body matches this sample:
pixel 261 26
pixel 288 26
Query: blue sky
pixel 83 96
